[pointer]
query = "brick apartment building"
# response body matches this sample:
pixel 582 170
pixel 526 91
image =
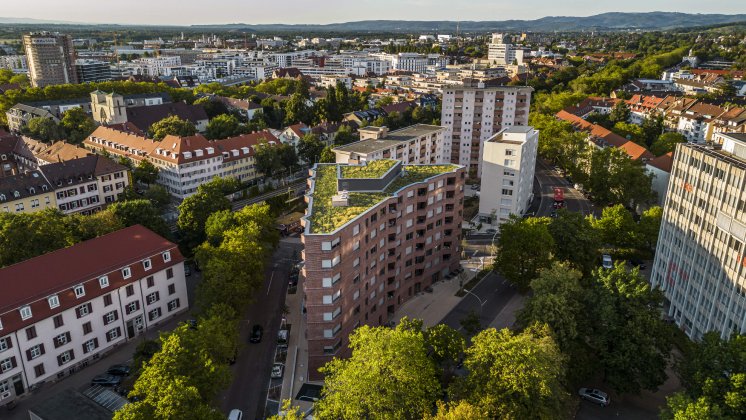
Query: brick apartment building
pixel 375 235
pixel 64 309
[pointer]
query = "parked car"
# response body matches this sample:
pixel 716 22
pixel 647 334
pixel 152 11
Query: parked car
pixel 187 270
pixel 553 214
pixel 475 187
pixel 106 380
pixel 636 262
pixel 118 370
pixel 490 231
pixel 595 396
pixel 256 333
pixel 277 371
pixel 282 336
pixel 235 414
pixel 606 262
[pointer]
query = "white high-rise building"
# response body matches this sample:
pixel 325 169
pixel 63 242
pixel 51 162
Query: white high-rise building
pixel 508 164
pixel 699 260
pixel 503 54
pixel 473 113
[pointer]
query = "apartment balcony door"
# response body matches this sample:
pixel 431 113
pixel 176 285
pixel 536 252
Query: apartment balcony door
pixel 135 326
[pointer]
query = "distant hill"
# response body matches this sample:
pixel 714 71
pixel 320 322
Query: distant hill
pixel 605 21
pixel 29 21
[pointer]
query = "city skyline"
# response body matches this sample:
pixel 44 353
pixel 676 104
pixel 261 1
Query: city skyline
pixel 335 11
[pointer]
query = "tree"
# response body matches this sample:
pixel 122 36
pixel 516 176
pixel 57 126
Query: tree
pixel 223 126
pixel 458 410
pixel 388 376
pixel 267 159
pixel 649 226
pixel 726 89
pixel 344 135
pixel 296 110
pixel 630 131
pixel 620 113
pixel 666 143
pixel 213 107
pixel 471 323
pixel 195 210
pixel 159 196
pixel 327 156
pixel 77 125
pixel 681 407
pixel 44 129
pixel 652 127
pixel 616 227
pixel 525 247
pixel 579 241
pixel 27 235
pixel 171 126
pixel 630 340
pixel 142 212
pixel 145 172
pixel 310 148
pixel 615 178
pixel 514 375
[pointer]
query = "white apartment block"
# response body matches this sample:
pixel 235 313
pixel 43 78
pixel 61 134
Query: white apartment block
pixel 63 310
pixel 16 63
pixel 508 164
pixel 699 260
pixel 472 114
pixel 419 144
pixel 501 53
pixel 155 66
pixel 287 59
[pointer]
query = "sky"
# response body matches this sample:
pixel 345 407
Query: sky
pixel 188 12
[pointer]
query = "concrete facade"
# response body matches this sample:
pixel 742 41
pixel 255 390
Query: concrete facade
pixel 51 58
pixel 508 164
pixel 417 144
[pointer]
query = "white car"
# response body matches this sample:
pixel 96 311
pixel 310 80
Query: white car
pixel 277 371
pixel 606 262
pixel 235 414
pixel 595 396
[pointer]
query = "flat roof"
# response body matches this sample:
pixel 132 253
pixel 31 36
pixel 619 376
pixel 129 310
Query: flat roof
pixel 392 139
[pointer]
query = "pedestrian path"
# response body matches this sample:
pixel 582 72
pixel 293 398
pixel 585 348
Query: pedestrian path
pixel 431 308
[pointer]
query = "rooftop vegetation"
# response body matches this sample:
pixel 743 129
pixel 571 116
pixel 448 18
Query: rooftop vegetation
pixel 374 169
pixel 326 218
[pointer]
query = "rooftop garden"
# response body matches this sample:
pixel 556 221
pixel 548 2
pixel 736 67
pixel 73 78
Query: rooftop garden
pixel 326 218
pixel 374 169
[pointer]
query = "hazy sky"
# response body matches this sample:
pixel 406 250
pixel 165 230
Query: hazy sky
pixel 185 12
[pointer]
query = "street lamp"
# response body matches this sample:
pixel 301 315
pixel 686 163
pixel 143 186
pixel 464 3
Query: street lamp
pixel 481 302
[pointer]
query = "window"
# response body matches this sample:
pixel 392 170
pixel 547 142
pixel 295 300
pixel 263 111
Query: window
pixel 147 265
pixel 25 312
pixel 5 343
pixel 30 333
pixel 54 301
pixel 58 321
pixel 35 352
pixel 153 298
pixel 87 328
pixel 39 370
pixel 132 307
pixel 171 289
pixel 61 339
pixel 174 304
pixel 167 256
pixel 151 281
pixel 130 290
pixel 90 345
pixel 107 300
pixel 79 291
pixel 8 364
pixel 113 334
pixel 65 357
pixel 155 313
pixel 110 317
pixel 83 310
pixel 103 281
pixel 126 272
pixel 169 273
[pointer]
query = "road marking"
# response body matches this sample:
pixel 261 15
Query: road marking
pixel 269 286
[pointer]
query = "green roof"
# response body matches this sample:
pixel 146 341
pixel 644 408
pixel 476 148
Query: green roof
pixel 326 218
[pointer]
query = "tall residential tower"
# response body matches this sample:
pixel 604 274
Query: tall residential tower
pixel 51 58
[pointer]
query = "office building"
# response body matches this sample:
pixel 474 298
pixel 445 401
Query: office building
pixel 699 260
pixel 92 70
pixel 62 310
pixel 374 235
pixel 50 57
pixel 417 144
pixel 501 53
pixel 473 113
pixel 508 163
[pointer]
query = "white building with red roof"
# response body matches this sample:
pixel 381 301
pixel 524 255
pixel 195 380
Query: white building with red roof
pixel 62 310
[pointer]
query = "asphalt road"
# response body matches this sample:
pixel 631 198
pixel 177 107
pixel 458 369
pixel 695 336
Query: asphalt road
pixel 254 363
pixel 548 180
pixel 492 294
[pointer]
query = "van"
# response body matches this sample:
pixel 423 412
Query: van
pixel 235 414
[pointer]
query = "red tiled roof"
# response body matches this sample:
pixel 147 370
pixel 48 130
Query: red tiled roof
pixel 664 162
pixel 30 282
pixel 634 150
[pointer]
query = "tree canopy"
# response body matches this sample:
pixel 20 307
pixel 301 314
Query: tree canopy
pixel 171 126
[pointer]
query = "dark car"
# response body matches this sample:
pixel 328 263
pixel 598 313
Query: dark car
pixel 119 370
pixel 187 270
pixel 636 262
pixel 106 380
pixel 256 333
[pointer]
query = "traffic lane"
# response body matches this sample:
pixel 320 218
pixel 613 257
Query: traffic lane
pixel 494 292
pixel 251 371
pixel 618 410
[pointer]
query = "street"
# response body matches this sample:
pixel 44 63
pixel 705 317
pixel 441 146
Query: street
pixel 488 298
pixel 251 371
pixel 548 179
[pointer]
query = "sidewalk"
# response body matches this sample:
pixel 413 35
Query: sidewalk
pixel 431 308
pixel 507 317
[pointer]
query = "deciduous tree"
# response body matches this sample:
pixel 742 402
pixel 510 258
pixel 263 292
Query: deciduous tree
pixel 525 247
pixel 173 126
